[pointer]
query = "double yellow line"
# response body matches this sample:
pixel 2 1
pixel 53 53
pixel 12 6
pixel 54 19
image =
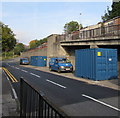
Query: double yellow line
pixel 13 79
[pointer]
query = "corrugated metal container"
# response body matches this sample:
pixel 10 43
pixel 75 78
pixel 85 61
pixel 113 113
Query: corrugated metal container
pixel 38 61
pixel 96 64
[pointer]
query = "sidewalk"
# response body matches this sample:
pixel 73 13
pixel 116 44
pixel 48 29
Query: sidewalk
pixel 113 84
pixel 8 103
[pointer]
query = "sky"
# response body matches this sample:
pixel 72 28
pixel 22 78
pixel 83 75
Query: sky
pixel 37 20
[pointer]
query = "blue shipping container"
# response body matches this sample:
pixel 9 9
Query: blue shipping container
pixel 96 64
pixel 38 61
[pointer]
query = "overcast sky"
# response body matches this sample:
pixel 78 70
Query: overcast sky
pixel 37 20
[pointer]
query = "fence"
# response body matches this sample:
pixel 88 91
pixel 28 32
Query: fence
pixel 106 31
pixel 33 104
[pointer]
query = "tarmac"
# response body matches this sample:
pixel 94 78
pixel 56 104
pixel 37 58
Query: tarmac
pixel 113 83
pixel 8 106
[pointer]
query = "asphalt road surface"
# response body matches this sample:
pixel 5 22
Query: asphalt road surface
pixel 75 98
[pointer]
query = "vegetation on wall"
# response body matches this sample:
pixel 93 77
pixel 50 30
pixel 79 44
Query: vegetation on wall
pixel 36 43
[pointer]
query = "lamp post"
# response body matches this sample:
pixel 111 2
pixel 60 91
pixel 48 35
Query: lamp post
pixel 80 26
pixel 80 22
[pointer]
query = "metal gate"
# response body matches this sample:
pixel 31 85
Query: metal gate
pixel 33 104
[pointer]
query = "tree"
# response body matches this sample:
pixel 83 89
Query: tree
pixel 115 10
pixel 8 38
pixel 36 43
pixel 72 26
pixel 41 41
pixel 19 48
pixel 33 43
pixel 112 13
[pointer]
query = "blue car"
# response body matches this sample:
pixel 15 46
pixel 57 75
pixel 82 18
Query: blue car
pixel 24 61
pixel 60 65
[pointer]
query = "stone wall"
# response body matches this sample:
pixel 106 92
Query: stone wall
pixel 35 52
pixel 54 48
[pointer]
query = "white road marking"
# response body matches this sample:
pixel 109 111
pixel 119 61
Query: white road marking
pixel 35 75
pixel 100 102
pixel 14 93
pixel 17 68
pixel 8 79
pixel 56 83
pixel 24 71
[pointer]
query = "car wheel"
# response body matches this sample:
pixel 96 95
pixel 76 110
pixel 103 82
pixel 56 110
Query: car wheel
pixel 59 71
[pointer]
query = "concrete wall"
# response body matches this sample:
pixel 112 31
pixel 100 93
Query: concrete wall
pixel 35 52
pixel 54 48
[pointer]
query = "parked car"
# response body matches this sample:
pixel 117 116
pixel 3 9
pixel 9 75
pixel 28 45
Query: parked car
pixel 60 65
pixel 24 61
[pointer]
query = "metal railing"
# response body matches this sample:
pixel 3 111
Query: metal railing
pixel 34 104
pixel 106 31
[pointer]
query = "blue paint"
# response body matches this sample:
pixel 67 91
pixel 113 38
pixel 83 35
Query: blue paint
pixel 38 61
pixel 96 64
pixel 60 64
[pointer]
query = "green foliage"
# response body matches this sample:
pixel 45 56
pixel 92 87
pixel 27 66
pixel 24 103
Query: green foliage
pixel 115 10
pixel 33 43
pixel 113 13
pixel 36 43
pixel 8 38
pixel 41 41
pixel 72 26
pixel 19 48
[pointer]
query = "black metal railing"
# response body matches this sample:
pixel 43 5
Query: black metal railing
pixel 34 104
pixel 106 31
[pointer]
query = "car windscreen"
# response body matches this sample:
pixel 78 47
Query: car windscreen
pixel 26 60
pixel 63 61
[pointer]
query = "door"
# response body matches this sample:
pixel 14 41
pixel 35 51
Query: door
pixel 106 64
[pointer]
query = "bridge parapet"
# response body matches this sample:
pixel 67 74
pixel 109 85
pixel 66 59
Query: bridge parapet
pixel 103 31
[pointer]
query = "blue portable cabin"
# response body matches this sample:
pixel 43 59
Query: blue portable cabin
pixel 96 64
pixel 38 61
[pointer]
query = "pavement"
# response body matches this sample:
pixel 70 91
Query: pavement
pixel 8 104
pixel 113 83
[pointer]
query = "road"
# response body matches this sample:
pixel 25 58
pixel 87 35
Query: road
pixel 74 97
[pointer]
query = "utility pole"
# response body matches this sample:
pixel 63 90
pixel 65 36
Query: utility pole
pixel 80 26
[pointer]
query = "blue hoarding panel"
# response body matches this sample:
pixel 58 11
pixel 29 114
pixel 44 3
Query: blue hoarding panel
pixel 38 61
pixel 96 64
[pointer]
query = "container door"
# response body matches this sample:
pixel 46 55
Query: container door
pixel 106 67
pixel 111 64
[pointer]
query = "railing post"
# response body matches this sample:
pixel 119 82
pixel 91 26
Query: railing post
pixel 34 104
pixel 21 96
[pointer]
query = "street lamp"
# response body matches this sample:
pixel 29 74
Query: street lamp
pixel 80 25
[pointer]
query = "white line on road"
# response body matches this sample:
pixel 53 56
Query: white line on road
pixel 100 102
pixel 16 68
pixel 15 95
pixel 35 75
pixel 56 84
pixel 24 71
